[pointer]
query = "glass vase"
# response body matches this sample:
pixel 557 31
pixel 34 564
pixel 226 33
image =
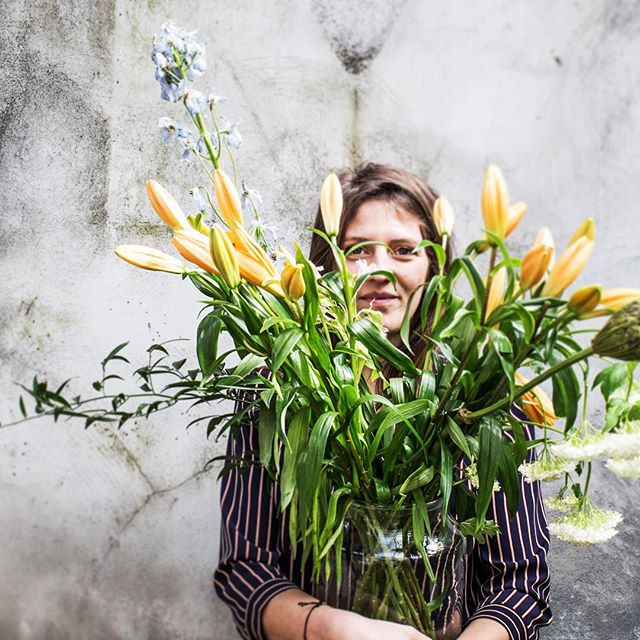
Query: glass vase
pixel 384 574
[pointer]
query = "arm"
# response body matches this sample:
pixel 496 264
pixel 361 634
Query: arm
pixel 512 575
pixel 248 574
pixel 284 619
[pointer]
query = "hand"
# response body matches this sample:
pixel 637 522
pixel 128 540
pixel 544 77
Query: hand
pixel 327 623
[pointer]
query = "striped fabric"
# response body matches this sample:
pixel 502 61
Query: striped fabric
pixel 506 578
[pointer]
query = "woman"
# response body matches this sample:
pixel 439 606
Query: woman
pixel 267 590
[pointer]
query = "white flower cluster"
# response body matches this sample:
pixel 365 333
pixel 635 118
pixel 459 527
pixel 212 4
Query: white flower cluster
pixel 589 525
pixel 563 504
pixel 548 467
pixel 629 468
pixel 622 444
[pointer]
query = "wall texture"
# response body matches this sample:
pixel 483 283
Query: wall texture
pixel 111 534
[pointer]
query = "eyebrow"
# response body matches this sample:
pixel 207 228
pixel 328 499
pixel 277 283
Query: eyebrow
pixel 394 240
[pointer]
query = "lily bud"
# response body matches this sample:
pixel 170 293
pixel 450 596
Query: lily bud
pixel 534 265
pixel 620 337
pixel 149 258
pixel 615 299
pixel 228 199
pixel 585 299
pixel 331 204
pixel 587 229
pixel 569 267
pixel 224 257
pixel 516 211
pixel 495 202
pixel 496 291
pixel 536 404
pixel 292 281
pixel 196 222
pixel 166 206
pixel 244 244
pixel 443 216
pixel 545 238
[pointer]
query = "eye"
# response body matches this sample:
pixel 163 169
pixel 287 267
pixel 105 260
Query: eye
pixel 357 252
pixel 405 251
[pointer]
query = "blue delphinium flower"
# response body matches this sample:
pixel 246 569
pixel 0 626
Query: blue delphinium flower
pixel 168 128
pixel 199 199
pixel 196 102
pixel 213 99
pixel 178 59
pixel 229 130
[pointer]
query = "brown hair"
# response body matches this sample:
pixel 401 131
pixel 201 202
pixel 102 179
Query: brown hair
pixel 374 181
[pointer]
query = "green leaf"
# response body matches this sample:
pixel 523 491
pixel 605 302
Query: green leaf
pixel 508 478
pixel 310 466
pixel 297 436
pixel 113 352
pixel 566 394
pixel 373 338
pixel 283 346
pixel 611 378
pixel 446 475
pixel 421 476
pixel 490 451
pixel 266 435
pixel 456 435
pixel 207 337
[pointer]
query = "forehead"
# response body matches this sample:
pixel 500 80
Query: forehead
pixel 384 220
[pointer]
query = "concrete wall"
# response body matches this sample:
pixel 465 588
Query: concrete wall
pixel 114 534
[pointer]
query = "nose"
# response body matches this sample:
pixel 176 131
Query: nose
pixel 381 257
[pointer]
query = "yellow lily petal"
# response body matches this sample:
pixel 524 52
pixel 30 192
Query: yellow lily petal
pixel 516 211
pixel 495 202
pixel 534 265
pixel 615 299
pixel 228 199
pixel 443 216
pixel 569 266
pixel 331 204
pixel 536 404
pixel 496 291
pixel 149 258
pixel 166 206
pixel 194 249
pixel 587 229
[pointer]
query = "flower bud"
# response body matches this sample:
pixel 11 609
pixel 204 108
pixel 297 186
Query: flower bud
pixel 516 211
pixel 228 199
pixel 536 404
pixel 292 281
pixel 534 265
pixel 587 229
pixel 196 222
pixel 544 237
pixel 331 204
pixel 224 257
pixel 149 258
pixel 495 202
pixel 443 216
pixel 569 267
pixel 620 337
pixel 166 206
pixel 585 299
pixel 496 291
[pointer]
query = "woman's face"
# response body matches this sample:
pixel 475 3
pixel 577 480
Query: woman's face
pixel 385 221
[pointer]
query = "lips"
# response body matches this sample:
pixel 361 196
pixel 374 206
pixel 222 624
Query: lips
pixel 378 299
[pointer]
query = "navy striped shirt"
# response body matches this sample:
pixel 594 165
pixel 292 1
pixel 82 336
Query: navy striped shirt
pixel 506 578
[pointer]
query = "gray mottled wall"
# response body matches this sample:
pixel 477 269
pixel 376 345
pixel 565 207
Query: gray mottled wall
pixel 114 534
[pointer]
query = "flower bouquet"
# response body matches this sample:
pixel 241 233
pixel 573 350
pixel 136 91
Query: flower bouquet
pixel 381 469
